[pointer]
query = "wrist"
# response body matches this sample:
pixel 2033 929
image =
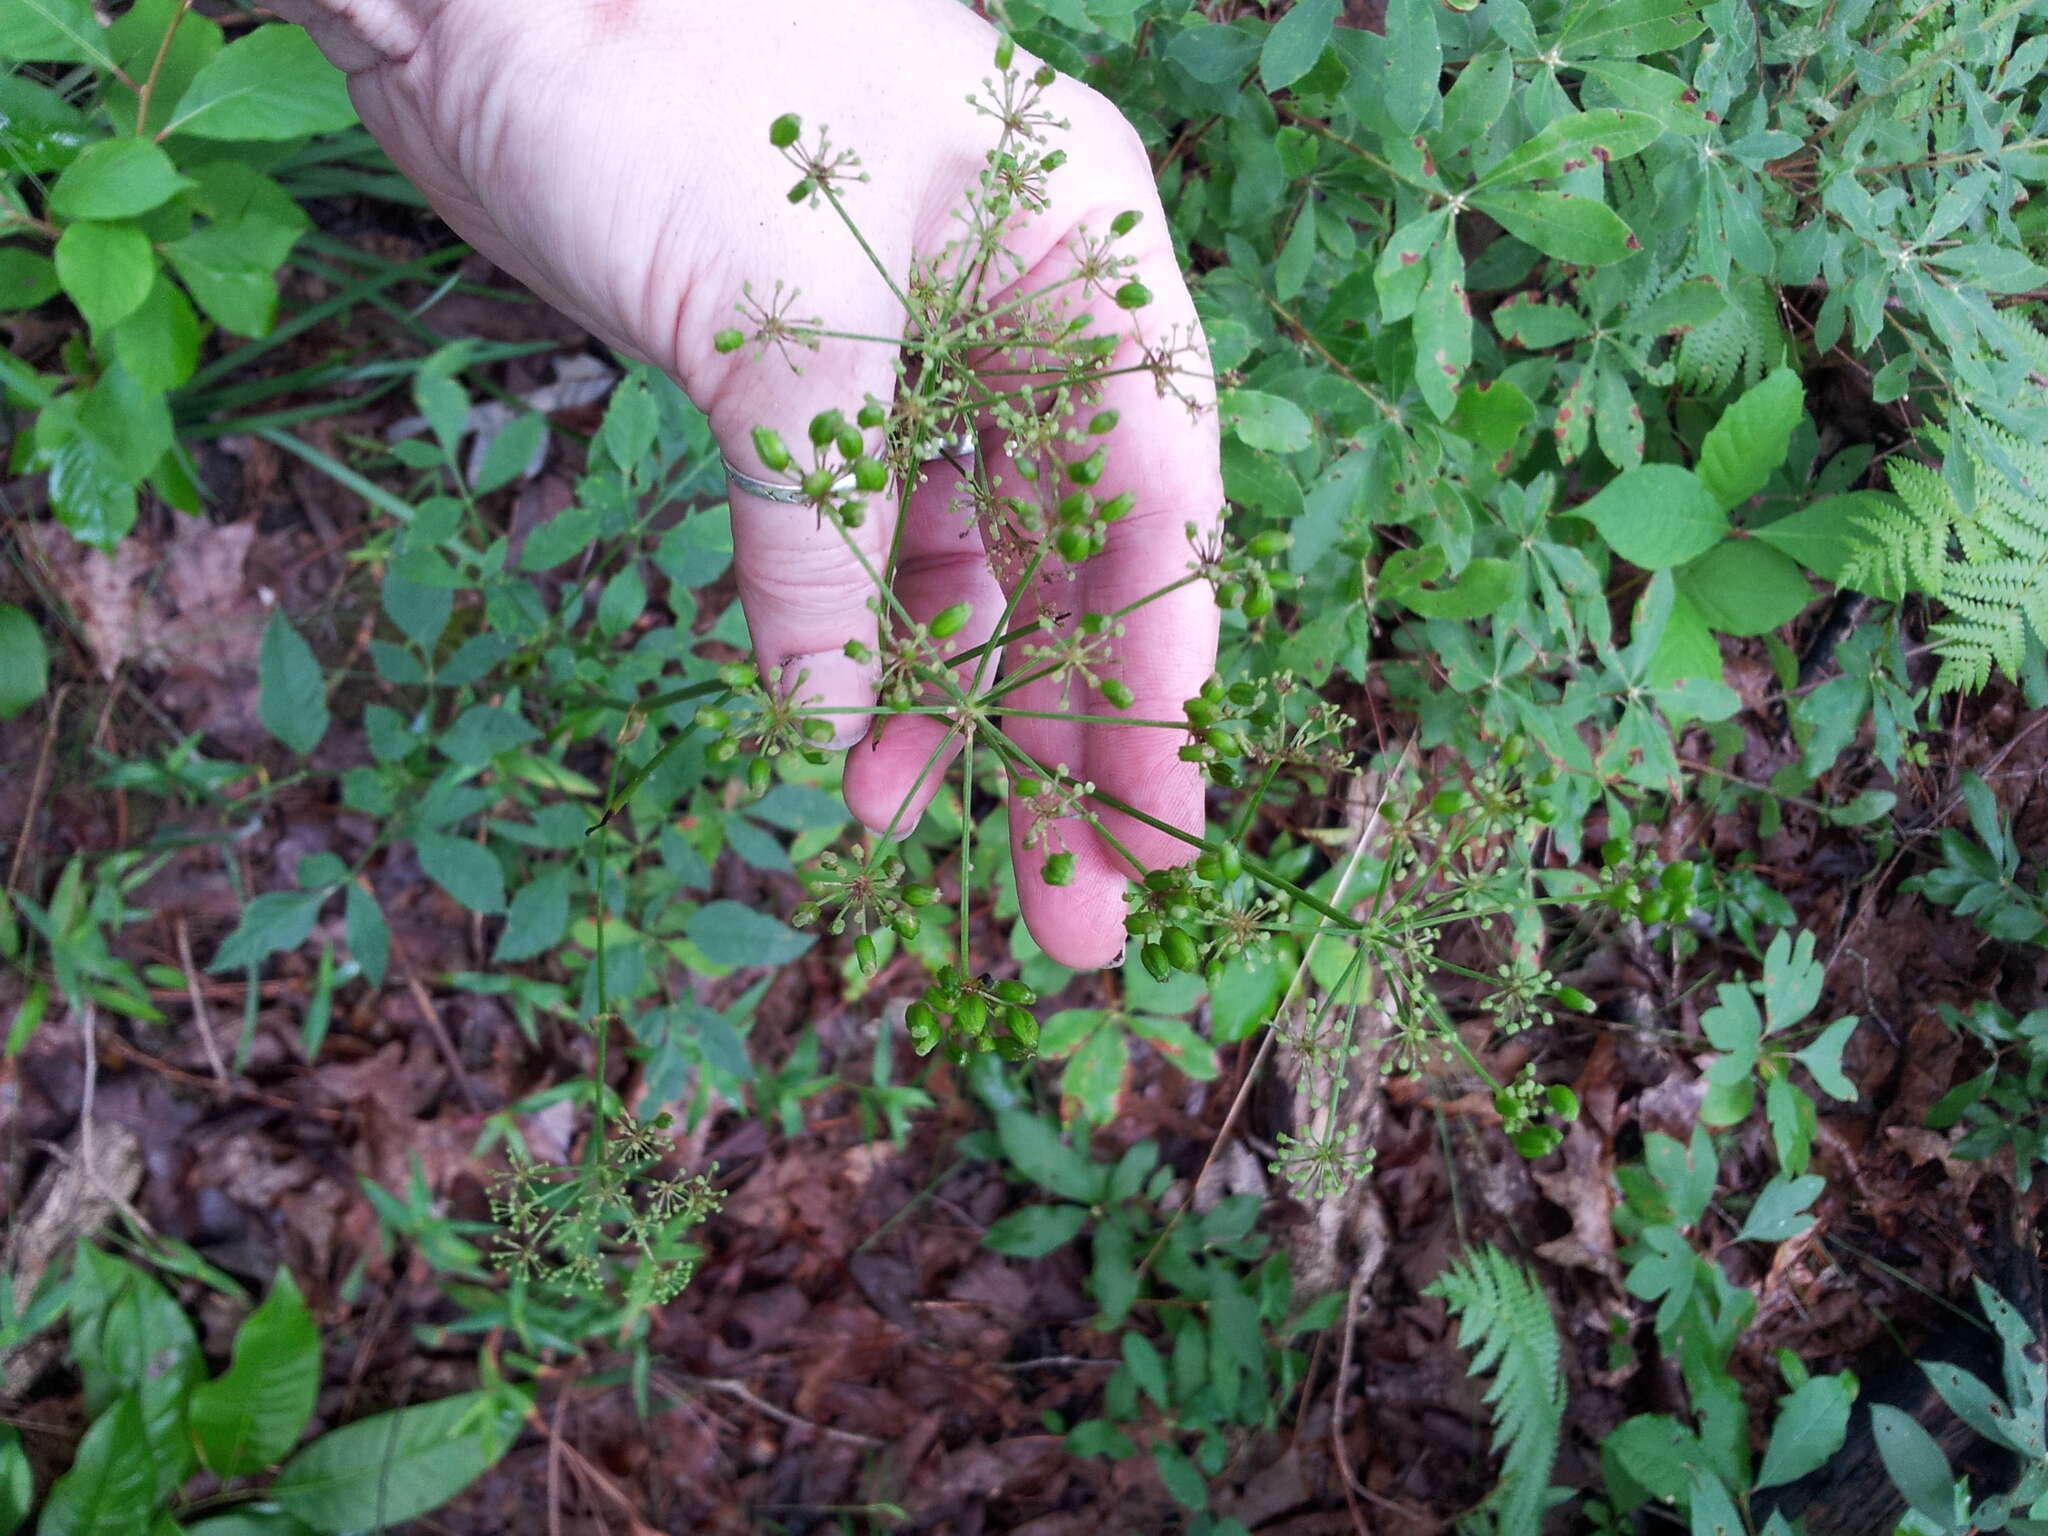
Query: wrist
pixel 361 34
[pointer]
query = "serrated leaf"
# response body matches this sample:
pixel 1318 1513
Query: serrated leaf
pixel 252 1413
pixel 467 871
pixel 538 918
pixel 1035 1150
pixel 731 934
pixel 1656 516
pixel 1035 1231
pixel 289 697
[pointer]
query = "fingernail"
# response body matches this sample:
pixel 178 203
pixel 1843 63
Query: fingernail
pixel 1123 951
pixel 826 678
pixel 902 827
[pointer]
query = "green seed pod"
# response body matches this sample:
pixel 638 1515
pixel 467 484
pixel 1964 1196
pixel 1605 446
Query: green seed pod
pixel 1016 993
pixel 723 750
pixel 1089 470
pixel 1195 752
pixel 1057 158
pixel 1102 422
pixel 1229 594
pixel 1117 506
pixel 1270 544
pixel 950 620
pixel 1209 867
pixel 769 447
pixel 853 513
pixel 865 955
pixel 824 427
pixel 920 895
pixel 971 1017
pixel 1118 694
pixel 710 717
pixel 819 731
pixel 1074 545
pixel 738 675
pixel 1180 949
pixel 816 484
pixel 1010 1048
pixel 920 1019
pixel 1200 711
pixel 1232 861
pixel 784 130
pixel 1059 869
pixel 1125 222
pixel 853 650
pixel 1139 924
pixel 870 474
pixel 1219 740
pixel 1022 1026
pixel 924 1045
pixel 1156 961
pixel 759 776
pixel 1212 975
pixel 1073 508
pixel 905 924
pixel 1133 295
pixel 1159 880
pixel 1258 602
pixel 801 190
pixel 1226 775
pixel 728 340
pixel 848 441
pixel 872 415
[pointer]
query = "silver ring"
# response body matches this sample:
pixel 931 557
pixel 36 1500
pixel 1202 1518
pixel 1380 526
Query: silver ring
pixel 959 454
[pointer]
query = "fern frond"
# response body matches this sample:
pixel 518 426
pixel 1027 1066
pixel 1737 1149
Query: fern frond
pixel 1504 1319
pixel 1986 563
pixel 1737 345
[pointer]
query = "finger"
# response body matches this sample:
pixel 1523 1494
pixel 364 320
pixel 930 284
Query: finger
pixel 892 776
pixel 808 583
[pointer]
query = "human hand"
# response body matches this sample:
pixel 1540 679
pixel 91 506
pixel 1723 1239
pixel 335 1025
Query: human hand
pixel 614 156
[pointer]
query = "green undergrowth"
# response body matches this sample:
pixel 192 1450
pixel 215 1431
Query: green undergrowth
pixel 1523 321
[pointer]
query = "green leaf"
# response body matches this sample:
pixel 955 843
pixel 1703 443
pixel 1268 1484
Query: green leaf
pixel 1529 320
pixel 252 1413
pixel 290 699
pixel 17 1481
pixel 1750 439
pixel 1781 1209
pixel 1413 63
pixel 1561 224
pixel 420 611
pixel 1629 28
pixel 276 920
pixel 622 601
pixel 1147 1369
pixel 151 39
pixel 1915 1463
pixel 1035 1150
pixel 24 661
pixel 1823 1058
pixel 1405 264
pixel 1812 1422
pixel 229 274
pixel 111 1487
pixel 538 919
pixel 1656 516
pixel 1093 1079
pixel 510 451
pixel 482 731
pixel 1481 587
pixel 731 934
pixel 1270 423
pixel 1744 587
pixel 26 278
pixel 367 934
pixel 1035 1230
pixel 394 1467
pixel 107 269
pixel 51 32
pixel 1443 330
pixel 467 871
pixel 1180 1477
pixel 116 179
pixel 1493 413
pixel 1824 536
pixel 159 343
pixel 1296 42
pixel 257 1521
pixel 1574 142
pixel 271 85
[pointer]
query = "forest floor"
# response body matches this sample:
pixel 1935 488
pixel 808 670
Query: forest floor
pixel 848 1343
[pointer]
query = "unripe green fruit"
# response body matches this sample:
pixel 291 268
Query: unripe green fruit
pixel 1258 602
pixel 866 956
pixel 1271 543
pixel 1016 993
pixel 870 474
pixel 723 750
pixel 1574 999
pixel 872 415
pixel 801 190
pixel 1155 960
pixel 1074 545
pixel 1059 869
pixel 1022 1026
pixel 784 130
pixel 816 484
pixel 768 446
pixel 1125 222
pixel 920 895
pixel 905 924
pixel 711 718
pixel 1133 295
pixel 728 340
pixel 824 427
pixel 1118 694
pixel 1180 949
pixel 848 441
pixel 950 620
pixel 759 775
pixel 971 1017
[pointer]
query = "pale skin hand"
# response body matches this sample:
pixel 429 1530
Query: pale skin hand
pixel 614 156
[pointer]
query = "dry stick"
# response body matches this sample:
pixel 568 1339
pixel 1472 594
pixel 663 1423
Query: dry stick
pixel 596 1478
pixel 555 1464
pixel 200 1013
pixel 428 1012
pixel 734 1389
pixel 35 789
